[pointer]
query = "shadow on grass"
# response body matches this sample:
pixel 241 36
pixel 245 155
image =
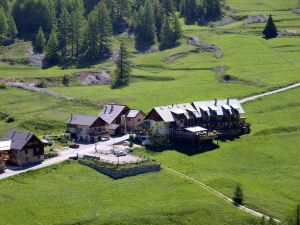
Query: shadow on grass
pixel 187 150
pixel 14 167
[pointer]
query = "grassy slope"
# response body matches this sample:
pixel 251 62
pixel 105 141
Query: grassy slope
pixel 38 113
pixel 74 194
pixel 265 163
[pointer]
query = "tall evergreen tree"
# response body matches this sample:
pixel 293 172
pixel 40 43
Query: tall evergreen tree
pixel 52 48
pixel 104 29
pixel 145 32
pixel 63 30
pixel 77 31
pixel 270 30
pixel 3 24
pixel 177 30
pixel 238 196
pixel 12 28
pixel 191 12
pixel 40 41
pixel 123 70
pixel 91 38
pixel 167 38
pixel 158 12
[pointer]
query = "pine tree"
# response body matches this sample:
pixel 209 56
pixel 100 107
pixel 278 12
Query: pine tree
pixel 123 70
pixel 52 48
pixel 77 24
pixel 177 30
pixel 12 28
pixel 145 32
pixel 158 13
pixel 91 38
pixel 238 195
pixel 167 39
pixel 63 30
pixel 3 24
pixel 191 12
pixel 270 30
pixel 40 41
pixel 104 29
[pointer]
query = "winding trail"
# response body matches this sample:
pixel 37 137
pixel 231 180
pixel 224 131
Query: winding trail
pixel 254 97
pixel 215 192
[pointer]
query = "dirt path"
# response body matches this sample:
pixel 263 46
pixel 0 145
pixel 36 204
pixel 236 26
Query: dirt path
pixel 254 97
pixel 215 192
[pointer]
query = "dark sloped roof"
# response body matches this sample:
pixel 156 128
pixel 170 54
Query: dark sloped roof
pixel 111 112
pixel 18 139
pixel 82 120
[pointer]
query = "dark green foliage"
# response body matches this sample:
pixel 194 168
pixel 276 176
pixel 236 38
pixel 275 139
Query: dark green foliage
pixel 271 221
pixel 298 215
pixel 3 24
pixel 145 31
pixel 98 33
pixel 10 119
pixel 12 28
pixel 2 86
pixel 40 41
pixel 63 29
pixel 170 35
pixel 66 80
pixel 213 9
pixel 29 15
pixel 52 48
pixel 123 70
pixel 238 196
pixel 270 30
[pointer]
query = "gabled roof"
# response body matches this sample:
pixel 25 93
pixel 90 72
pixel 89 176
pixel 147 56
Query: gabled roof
pixel 133 113
pixel 168 113
pixel 220 107
pixel 110 112
pixel 82 120
pixel 18 139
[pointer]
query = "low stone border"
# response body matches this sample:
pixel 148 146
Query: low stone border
pixel 120 173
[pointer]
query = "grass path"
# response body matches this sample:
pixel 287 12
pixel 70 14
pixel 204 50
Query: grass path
pixel 215 192
pixel 254 97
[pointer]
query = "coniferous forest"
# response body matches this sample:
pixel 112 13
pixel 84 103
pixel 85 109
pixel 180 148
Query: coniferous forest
pixel 84 28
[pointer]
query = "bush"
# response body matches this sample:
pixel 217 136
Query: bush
pixel 66 80
pixel 10 119
pixel 41 84
pixel 2 86
pixel 238 196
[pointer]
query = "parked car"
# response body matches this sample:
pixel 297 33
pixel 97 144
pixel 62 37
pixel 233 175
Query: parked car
pixel 105 138
pixel 120 153
pixel 74 146
pixel 126 143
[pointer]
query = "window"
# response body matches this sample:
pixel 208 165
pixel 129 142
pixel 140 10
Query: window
pixel 26 151
pixel 139 120
pixel 128 119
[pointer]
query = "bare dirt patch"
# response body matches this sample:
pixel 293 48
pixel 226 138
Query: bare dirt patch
pixel 95 78
pixel 255 19
pixel 210 48
pixel 173 58
pixel 288 33
pixel 36 59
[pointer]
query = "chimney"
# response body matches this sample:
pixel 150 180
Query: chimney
pixel 28 134
pixel 227 101
pixel 216 101
pixel 14 133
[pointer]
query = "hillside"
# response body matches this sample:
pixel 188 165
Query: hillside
pixel 220 57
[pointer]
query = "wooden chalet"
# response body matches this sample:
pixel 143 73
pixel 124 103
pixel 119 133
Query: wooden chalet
pixel 85 128
pixel 121 119
pixel 21 148
pixel 199 123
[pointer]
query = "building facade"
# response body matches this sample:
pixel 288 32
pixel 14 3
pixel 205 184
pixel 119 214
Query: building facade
pixel 86 128
pixel 25 148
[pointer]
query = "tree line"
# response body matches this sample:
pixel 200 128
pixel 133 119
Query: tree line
pixel 78 28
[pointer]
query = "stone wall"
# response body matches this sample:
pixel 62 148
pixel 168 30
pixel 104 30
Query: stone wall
pixel 120 173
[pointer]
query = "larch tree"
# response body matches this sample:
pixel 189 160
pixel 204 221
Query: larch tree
pixel 123 67
pixel 12 28
pixel 63 30
pixel 177 30
pixel 167 37
pixel 270 30
pixel 40 41
pixel 52 48
pixel 3 24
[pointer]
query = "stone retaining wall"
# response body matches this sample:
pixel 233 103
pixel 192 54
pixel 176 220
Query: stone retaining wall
pixel 117 174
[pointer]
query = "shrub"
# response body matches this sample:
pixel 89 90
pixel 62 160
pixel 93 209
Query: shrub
pixel 238 196
pixel 41 84
pixel 2 86
pixel 66 80
pixel 10 119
